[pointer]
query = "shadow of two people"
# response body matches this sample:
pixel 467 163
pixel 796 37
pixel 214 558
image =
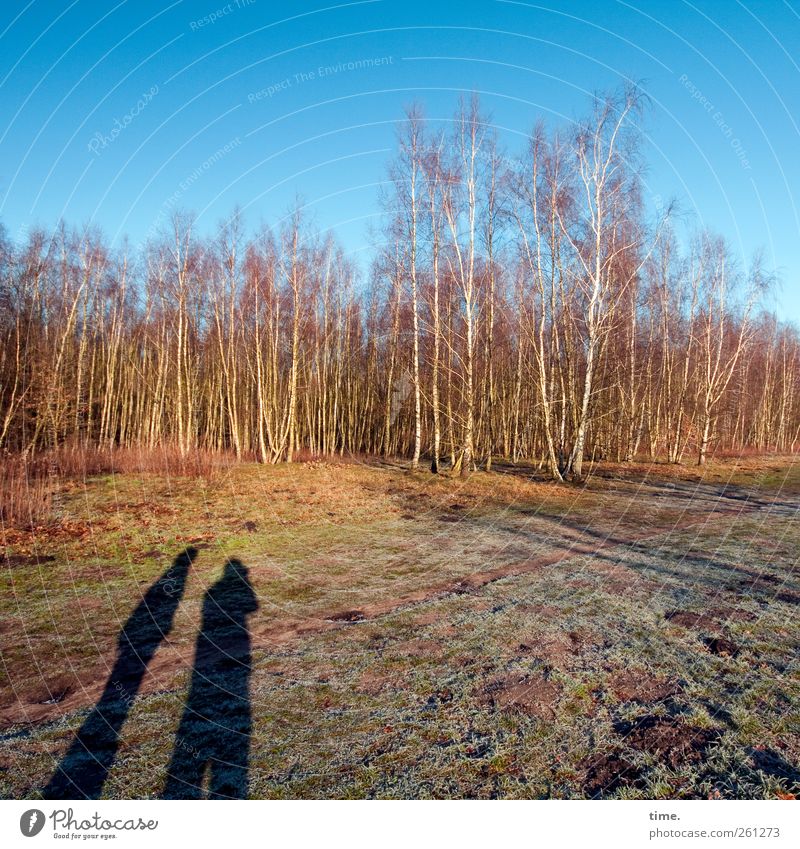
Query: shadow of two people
pixel 213 736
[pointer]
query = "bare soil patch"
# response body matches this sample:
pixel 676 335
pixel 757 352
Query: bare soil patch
pixel 50 692
pixel 689 619
pixel 736 615
pixel 419 648
pixel 372 682
pixel 425 619
pixel 347 616
pixel 526 694
pixel 721 646
pixel 607 772
pixel 630 686
pixel 674 742
pixel 557 648
pixel 28 560
pixel 788 597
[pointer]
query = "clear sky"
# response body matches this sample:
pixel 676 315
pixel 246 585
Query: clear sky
pixel 115 112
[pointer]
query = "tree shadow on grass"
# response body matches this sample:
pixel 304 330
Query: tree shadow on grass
pixel 84 769
pixel 213 738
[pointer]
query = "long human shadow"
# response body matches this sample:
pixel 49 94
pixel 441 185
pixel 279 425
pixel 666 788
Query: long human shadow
pixel 84 769
pixel 213 738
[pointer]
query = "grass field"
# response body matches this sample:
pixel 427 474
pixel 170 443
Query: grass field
pixel 395 634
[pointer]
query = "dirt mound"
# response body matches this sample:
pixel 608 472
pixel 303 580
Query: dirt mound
pixel 735 615
pixel 347 616
pixel 722 647
pixel 522 694
pixel 672 741
pixel 558 648
pixel 753 579
pixel 28 560
pixel 688 619
pixel 50 692
pixel 554 648
pixel 632 687
pixel 788 598
pixel 608 772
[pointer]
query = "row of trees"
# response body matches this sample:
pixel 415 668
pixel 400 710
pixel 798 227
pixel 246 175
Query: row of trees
pixel 523 309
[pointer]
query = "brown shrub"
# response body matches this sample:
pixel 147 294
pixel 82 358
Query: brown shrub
pixel 28 482
pixel 25 492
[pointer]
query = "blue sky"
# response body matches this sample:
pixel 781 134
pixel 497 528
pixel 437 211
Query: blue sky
pixel 114 112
